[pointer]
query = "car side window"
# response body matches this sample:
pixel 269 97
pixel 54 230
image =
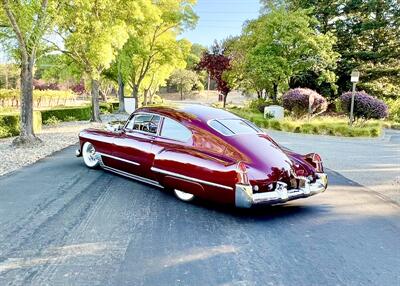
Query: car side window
pixel 144 122
pixel 175 131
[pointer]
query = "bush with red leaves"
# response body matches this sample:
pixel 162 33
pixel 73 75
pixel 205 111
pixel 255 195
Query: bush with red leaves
pixel 297 101
pixel 365 105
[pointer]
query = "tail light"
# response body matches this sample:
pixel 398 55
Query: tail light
pixel 316 162
pixel 241 171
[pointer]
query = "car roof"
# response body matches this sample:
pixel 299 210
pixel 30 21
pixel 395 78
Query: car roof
pixel 189 112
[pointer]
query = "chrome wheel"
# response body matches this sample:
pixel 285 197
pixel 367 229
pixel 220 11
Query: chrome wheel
pixel 89 155
pixel 186 197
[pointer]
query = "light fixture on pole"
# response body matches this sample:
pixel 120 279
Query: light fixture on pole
pixel 355 76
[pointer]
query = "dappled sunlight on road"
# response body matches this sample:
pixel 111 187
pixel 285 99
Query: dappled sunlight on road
pixel 195 254
pixel 57 255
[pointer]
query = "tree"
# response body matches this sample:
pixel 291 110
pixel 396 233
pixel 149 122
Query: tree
pixel 93 32
pixel 155 42
pixel 217 63
pixel 282 45
pixel 367 39
pixel 23 25
pixel 185 80
pixel 196 51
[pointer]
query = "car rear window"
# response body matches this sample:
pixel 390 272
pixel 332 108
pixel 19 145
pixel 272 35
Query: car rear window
pixel 233 126
pixel 175 131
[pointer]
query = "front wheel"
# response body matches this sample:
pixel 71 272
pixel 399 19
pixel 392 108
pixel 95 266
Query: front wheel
pixel 89 155
pixel 186 197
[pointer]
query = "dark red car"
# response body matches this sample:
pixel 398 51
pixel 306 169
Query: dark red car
pixel 204 152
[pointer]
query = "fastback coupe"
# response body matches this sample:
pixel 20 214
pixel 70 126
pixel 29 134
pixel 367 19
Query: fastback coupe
pixel 203 152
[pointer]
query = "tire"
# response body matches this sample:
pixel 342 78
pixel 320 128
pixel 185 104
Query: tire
pixel 186 197
pixel 89 155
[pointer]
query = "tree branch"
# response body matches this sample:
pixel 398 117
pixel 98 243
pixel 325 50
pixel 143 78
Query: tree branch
pixel 17 31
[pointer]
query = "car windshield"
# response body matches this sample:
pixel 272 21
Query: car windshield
pixel 233 126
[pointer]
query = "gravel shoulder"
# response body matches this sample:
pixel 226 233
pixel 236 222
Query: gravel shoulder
pixel 54 138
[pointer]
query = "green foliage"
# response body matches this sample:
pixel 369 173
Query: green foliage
pixel 394 109
pixel 368 39
pixel 259 104
pixel 151 54
pixel 57 68
pixel 9 75
pixel 185 80
pixel 334 126
pixel 281 45
pixel 193 58
pixel 9 124
pixel 66 114
pixel 52 120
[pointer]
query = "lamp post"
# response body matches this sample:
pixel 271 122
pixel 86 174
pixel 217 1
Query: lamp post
pixel 355 76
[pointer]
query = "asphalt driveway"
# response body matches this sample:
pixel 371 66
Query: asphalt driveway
pixel 373 163
pixel 63 224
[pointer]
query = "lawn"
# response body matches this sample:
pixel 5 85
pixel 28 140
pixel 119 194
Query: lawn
pixel 323 125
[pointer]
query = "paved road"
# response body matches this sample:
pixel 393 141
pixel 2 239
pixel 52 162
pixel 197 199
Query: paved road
pixel 63 224
pixel 374 163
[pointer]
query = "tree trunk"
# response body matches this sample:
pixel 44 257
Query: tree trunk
pixel 225 96
pixel 135 93
pixel 121 96
pixel 181 91
pixel 146 92
pixel 27 136
pixel 95 101
pixel 151 97
pixel 275 93
pixel 259 93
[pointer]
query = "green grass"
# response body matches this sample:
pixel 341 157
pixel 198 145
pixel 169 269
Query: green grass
pixel 333 126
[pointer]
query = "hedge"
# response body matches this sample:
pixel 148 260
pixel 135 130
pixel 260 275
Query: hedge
pixel 9 124
pixel 68 114
pixel 109 107
pixel 323 126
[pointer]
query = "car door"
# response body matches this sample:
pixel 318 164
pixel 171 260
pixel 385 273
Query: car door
pixel 133 147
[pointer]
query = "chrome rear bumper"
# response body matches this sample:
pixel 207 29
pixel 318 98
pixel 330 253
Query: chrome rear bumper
pixel 245 198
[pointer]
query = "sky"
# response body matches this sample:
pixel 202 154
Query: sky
pixel 219 19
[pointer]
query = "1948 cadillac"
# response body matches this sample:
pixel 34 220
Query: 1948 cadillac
pixel 203 152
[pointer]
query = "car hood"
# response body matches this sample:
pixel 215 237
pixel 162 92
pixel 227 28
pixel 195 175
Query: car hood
pixel 267 160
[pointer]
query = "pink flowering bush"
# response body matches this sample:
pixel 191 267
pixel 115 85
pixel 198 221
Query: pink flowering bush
pixel 297 102
pixel 365 105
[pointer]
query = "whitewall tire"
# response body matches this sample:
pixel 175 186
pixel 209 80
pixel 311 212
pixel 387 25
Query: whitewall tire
pixel 186 197
pixel 89 155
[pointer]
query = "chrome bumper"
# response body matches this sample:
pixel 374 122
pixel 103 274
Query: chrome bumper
pixel 245 198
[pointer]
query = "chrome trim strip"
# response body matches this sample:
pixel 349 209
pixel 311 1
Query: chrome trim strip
pixel 131 176
pixel 117 158
pixel 189 178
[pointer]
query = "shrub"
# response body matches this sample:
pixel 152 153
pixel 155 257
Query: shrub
pixel 9 124
pixel 52 120
pixel 78 88
pixel 66 114
pixel 394 109
pixel 259 104
pixel 365 106
pixel 297 101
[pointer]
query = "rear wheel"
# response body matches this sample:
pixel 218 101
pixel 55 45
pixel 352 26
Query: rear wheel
pixel 89 155
pixel 186 197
